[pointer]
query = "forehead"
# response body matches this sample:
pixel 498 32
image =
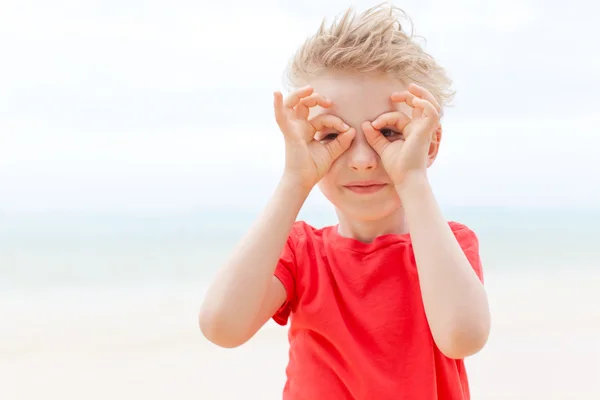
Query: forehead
pixel 358 97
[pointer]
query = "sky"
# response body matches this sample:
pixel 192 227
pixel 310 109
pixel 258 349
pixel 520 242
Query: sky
pixel 150 107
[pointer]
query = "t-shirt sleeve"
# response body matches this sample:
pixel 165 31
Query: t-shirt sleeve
pixel 286 273
pixel 468 241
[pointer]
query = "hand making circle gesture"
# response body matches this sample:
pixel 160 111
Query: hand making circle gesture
pixel 403 142
pixel 306 157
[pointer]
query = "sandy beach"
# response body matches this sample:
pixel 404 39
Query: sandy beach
pixel 545 344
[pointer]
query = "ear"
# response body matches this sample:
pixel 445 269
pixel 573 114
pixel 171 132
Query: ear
pixel 434 145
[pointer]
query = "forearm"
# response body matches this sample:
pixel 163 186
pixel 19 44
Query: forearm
pixel 454 298
pixel 235 296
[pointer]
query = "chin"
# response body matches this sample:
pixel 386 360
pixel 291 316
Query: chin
pixel 367 208
pixel 367 213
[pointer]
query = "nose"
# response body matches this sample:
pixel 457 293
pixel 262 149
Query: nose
pixel 361 156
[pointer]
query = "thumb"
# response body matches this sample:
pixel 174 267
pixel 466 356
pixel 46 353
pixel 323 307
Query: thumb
pixel 377 141
pixel 337 147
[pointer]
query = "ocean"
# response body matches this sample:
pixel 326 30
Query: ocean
pixel 126 251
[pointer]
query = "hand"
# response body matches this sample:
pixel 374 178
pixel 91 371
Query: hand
pixel 306 158
pixel 403 143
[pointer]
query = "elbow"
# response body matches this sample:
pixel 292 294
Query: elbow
pixel 465 339
pixel 217 331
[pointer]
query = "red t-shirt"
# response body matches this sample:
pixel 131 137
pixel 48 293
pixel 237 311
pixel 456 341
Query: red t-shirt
pixel 358 328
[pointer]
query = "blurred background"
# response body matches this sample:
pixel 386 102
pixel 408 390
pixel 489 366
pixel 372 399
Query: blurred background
pixel 137 144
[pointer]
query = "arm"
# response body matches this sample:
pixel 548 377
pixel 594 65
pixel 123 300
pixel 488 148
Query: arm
pixel 454 298
pixel 245 293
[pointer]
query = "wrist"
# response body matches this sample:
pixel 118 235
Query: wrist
pixel 294 185
pixel 413 182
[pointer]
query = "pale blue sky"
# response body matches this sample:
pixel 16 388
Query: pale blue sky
pixel 151 107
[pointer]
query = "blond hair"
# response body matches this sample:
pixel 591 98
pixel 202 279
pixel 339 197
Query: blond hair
pixel 372 42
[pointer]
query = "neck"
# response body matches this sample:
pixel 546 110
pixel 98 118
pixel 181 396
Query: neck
pixel 367 230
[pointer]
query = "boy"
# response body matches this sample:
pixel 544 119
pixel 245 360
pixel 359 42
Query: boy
pixel 387 303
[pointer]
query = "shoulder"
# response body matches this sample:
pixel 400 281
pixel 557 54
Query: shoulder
pixel 462 231
pixel 303 231
pixel 468 241
pixel 457 226
pixel 465 236
pixel 305 238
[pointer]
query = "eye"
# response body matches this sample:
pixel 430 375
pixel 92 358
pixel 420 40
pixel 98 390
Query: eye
pixel 390 133
pixel 387 132
pixel 328 137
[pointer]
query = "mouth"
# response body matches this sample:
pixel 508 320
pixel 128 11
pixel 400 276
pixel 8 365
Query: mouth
pixel 365 187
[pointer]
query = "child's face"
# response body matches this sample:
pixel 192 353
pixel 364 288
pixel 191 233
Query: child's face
pixel 356 99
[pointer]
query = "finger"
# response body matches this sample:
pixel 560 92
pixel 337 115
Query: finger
pixel 408 98
pixel 294 98
pixel 340 144
pixel 323 121
pixel 278 108
pixel 403 97
pixel 423 93
pixel 395 118
pixel 315 99
pixel 377 141
pixel 429 109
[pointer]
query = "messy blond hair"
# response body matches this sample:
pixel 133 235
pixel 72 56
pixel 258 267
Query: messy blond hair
pixel 372 42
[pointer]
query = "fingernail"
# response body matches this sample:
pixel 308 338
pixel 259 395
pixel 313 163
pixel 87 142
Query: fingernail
pixel 345 126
